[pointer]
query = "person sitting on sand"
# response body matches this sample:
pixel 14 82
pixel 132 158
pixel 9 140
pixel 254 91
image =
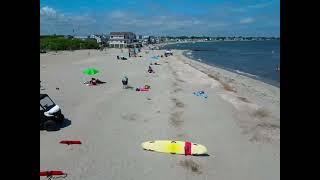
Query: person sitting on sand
pixel 93 81
pixel 150 70
pixel 125 82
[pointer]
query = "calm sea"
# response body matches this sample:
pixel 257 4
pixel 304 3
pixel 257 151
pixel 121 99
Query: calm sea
pixel 255 59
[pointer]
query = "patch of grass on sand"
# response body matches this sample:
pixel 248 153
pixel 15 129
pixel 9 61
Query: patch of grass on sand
pixel 261 113
pixel 214 77
pixel 244 99
pixel 225 86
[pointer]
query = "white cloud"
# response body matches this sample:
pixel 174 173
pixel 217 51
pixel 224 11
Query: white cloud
pixel 47 11
pixel 246 20
pixel 52 22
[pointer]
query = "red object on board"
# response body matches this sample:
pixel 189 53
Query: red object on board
pixel 68 142
pixel 187 148
pixel 51 173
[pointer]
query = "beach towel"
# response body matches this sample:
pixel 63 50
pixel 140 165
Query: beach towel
pixel 201 94
pixel 142 89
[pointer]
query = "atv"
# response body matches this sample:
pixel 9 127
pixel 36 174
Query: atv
pixel 51 117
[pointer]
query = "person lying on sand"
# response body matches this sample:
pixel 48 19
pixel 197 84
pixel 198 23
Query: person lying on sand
pixel 94 82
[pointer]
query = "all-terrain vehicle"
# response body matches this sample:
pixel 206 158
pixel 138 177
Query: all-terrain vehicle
pixel 51 117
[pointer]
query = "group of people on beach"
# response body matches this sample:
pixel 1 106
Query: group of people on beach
pixel 125 78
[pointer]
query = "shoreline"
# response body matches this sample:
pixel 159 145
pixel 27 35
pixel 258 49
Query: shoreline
pixel 254 90
pixel 251 76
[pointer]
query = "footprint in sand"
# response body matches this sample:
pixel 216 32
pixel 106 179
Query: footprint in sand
pixel 176 119
pixel 191 165
pixel 178 103
pixel 131 116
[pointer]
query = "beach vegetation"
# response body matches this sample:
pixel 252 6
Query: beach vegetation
pixel 225 85
pixel 261 113
pixel 58 43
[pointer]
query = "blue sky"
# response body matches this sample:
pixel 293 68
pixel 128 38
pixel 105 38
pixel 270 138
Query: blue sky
pixel 162 17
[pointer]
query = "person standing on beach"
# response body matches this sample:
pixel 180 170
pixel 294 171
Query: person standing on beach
pixel 125 82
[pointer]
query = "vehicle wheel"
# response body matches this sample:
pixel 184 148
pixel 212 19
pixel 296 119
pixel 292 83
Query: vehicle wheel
pixel 61 118
pixel 50 125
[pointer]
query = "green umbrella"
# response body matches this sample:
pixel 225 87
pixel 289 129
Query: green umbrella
pixel 91 71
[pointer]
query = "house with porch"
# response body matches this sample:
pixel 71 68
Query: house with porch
pixel 121 39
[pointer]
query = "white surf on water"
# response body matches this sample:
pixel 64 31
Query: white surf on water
pixel 244 73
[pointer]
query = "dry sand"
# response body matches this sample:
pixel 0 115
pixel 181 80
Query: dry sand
pixel 241 130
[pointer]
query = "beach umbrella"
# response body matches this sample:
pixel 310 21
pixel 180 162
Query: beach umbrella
pixel 90 71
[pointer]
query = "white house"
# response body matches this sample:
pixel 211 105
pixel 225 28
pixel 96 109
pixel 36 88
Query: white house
pixel 121 39
pixel 81 37
pixel 96 37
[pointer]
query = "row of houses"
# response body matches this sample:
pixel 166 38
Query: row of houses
pixel 122 39
pixel 114 39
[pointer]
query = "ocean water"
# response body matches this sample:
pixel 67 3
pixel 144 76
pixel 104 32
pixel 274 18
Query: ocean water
pixel 255 59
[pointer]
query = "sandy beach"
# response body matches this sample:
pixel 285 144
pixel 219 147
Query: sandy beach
pixel 239 122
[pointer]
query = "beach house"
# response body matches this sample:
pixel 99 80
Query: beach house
pixel 96 37
pixel 121 39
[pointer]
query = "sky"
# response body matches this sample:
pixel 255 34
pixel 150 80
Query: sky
pixel 161 17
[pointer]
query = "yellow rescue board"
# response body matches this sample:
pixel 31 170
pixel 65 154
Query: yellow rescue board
pixel 173 147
